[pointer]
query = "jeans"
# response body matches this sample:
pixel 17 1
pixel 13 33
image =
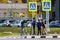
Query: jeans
pixel 22 31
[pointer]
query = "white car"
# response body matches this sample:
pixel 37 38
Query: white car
pixel 16 23
pixel 6 23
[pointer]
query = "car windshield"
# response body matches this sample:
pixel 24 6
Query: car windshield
pixel 54 22
pixel 11 21
pixel 1 21
pixel 15 22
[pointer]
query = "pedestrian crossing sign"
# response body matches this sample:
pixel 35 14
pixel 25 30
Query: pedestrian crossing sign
pixel 32 6
pixel 46 6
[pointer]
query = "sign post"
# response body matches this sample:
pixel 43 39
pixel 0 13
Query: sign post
pixel 32 8
pixel 46 6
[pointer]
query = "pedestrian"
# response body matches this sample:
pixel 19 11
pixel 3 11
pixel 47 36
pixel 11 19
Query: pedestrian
pixel 33 25
pixel 39 27
pixel 43 27
pixel 22 27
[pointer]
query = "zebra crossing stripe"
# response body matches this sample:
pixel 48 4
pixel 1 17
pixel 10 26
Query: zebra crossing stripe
pixel 32 37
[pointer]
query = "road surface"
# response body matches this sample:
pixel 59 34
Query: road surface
pixel 22 38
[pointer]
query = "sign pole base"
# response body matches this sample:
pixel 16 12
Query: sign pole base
pixel 47 22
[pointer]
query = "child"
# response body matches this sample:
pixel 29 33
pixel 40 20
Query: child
pixel 39 27
pixel 43 25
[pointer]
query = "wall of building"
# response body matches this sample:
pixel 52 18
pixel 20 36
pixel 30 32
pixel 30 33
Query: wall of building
pixel 2 15
pixel 57 10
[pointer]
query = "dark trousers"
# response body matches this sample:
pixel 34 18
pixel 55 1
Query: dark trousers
pixel 33 29
pixel 39 30
pixel 22 30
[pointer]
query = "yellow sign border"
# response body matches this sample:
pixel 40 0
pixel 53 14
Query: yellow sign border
pixel 29 6
pixel 43 6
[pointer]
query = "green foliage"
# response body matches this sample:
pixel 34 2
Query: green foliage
pixel 17 30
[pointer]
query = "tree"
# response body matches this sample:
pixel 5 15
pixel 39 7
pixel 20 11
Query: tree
pixel 14 14
pixel 21 14
pixel 34 15
pixel 29 14
pixel 4 1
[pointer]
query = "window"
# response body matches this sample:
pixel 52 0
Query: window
pixel 24 1
pixel 53 2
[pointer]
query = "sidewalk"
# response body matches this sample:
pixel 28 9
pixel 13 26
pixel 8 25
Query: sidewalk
pixel 34 36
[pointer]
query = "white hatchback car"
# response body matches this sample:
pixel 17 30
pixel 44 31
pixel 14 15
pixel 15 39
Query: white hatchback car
pixel 16 23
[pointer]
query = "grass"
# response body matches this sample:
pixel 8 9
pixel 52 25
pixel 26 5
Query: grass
pixel 10 29
pixel 17 30
pixel 14 30
pixel 7 34
pixel 55 30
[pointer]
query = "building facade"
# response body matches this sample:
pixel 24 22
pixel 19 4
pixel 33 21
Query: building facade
pixel 14 8
pixel 17 1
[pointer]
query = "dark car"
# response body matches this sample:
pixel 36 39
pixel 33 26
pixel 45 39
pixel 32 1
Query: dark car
pixel 54 24
pixel 8 22
pixel 2 22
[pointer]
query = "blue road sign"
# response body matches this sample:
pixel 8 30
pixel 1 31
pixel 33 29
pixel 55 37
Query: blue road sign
pixel 46 6
pixel 32 6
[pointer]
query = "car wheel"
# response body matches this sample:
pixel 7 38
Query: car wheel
pixel 18 26
pixel 9 25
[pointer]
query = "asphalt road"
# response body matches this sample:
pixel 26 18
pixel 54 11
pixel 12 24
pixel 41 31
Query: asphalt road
pixel 19 38
pixel 29 39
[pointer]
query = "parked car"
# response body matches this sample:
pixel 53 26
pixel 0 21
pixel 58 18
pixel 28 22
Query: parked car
pixel 16 24
pixel 54 24
pixel 6 23
pixel 1 23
